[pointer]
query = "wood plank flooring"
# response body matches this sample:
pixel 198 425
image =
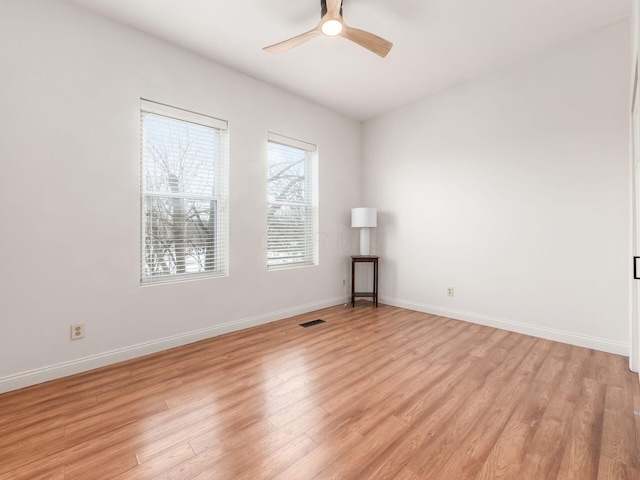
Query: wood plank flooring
pixel 371 394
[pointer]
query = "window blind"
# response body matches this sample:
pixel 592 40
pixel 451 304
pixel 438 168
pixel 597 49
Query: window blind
pixel 184 192
pixel 292 203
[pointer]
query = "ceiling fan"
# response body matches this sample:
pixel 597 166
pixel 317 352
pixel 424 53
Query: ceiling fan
pixel 331 24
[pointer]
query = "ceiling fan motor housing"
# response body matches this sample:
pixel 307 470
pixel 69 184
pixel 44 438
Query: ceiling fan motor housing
pixel 323 4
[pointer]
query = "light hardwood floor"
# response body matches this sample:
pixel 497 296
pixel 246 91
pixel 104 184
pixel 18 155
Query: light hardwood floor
pixel 371 394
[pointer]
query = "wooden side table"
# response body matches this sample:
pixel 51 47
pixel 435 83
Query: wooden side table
pixel 373 294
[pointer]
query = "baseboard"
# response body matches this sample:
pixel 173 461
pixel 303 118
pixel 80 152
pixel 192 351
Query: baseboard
pixel 579 340
pixel 52 372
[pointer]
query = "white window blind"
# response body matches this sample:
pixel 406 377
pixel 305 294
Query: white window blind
pixel 184 190
pixel 292 199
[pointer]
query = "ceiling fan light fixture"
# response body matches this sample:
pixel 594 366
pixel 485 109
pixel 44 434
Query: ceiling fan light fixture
pixel 331 28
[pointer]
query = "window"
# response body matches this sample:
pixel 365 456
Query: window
pixel 292 219
pixel 184 185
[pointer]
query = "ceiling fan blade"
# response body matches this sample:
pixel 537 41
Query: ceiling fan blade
pixel 292 42
pixel 333 7
pixel 371 42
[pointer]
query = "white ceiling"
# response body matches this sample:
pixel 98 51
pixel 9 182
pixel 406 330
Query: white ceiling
pixel 436 42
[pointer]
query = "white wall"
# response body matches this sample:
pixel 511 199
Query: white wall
pixel 514 189
pixel 70 84
pixel 634 330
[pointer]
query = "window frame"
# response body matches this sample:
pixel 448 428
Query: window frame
pixel 219 195
pixel 310 248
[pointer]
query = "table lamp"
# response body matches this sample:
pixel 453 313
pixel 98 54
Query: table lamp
pixel 364 219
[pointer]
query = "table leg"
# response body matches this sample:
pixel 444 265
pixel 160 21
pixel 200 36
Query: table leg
pixel 353 283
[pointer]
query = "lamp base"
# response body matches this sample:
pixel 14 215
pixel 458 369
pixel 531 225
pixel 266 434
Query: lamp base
pixel 364 242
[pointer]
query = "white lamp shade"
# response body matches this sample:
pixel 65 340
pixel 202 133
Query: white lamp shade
pixel 364 217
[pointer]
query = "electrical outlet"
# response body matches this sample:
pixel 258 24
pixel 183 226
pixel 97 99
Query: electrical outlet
pixel 450 291
pixel 77 331
pixel 344 282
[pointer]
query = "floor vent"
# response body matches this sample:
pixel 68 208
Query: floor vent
pixel 311 323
